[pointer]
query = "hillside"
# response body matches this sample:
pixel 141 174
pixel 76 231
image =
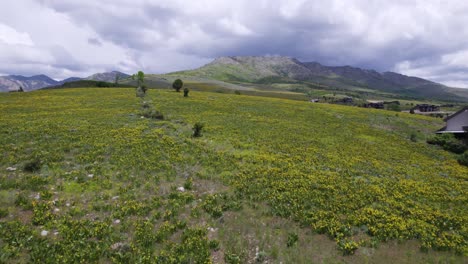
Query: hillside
pixel 85 178
pixel 276 69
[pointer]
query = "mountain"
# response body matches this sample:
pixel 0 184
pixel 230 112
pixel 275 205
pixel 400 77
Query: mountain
pixel 278 69
pixel 107 76
pixel 71 79
pixel 14 82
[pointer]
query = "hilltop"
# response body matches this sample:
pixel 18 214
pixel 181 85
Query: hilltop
pixel 284 70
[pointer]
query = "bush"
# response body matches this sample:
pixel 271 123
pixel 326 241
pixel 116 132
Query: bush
pixel 261 256
pixel 177 85
pixel 413 137
pixel 197 129
pixel 448 142
pixel 186 91
pixel 292 239
pixel 32 165
pixel 214 245
pixel 463 159
pixel 153 114
pixel 348 247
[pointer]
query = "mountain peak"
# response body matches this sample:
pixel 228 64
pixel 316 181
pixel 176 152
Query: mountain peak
pixel 107 76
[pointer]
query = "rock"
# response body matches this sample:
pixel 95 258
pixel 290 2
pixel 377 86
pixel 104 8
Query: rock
pixel 56 233
pixel 11 169
pixel 115 197
pixel 44 233
pixel 181 189
pixel 120 246
pixel 117 221
pixel 56 210
pixel 90 175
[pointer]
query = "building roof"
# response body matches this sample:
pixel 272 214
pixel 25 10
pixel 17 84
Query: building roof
pixel 456 113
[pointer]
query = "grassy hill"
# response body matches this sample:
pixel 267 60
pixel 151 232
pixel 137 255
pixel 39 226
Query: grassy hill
pixel 266 71
pixel 83 177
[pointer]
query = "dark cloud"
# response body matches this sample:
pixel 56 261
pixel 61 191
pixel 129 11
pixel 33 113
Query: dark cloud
pixel 94 41
pixel 424 37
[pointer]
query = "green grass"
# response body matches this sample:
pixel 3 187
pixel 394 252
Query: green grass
pixel 264 168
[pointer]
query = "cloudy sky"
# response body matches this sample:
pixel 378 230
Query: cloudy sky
pixel 63 38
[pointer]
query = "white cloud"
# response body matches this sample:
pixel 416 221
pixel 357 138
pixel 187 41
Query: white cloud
pixel 10 36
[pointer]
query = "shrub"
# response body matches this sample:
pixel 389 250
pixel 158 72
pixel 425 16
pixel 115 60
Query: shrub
pixel 237 92
pixel 232 258
pixel 188 184
pixel 186 91
pixel 153 114
pixel 177 85
pixel 23 201
pixel 214 245
pixel 413 137
pixel 197 129
pixel 261 256
pixel 448 142
pixel 32 165
pixel 292 239
pixel 348 247
pixel 463 159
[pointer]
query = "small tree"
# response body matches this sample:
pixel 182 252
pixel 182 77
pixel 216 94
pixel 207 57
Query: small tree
pixel 20 89
pixel 140 78
pixel 177 85
pixel 141 89
pixel 186 91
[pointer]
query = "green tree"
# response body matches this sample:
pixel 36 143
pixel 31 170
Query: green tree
pixel 140 78
pixel 177 85
pixel 141 89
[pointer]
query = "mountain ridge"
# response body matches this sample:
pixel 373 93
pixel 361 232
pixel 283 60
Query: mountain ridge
pixel 14 82
pixel 274 69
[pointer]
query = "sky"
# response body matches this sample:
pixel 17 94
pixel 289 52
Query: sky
pixel 64 38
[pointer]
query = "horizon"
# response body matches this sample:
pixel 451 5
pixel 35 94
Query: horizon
pixel 83 77
pixel 165 36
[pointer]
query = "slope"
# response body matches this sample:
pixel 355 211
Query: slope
pixel 267 173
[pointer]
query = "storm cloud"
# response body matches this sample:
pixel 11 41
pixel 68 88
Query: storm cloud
pixel 427 39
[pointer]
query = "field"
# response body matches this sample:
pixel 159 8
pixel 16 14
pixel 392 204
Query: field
pixel 85 178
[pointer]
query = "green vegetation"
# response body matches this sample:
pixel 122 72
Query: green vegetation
pixel 177 85
pixel 448 142
pixel 88 84
pixel 271 180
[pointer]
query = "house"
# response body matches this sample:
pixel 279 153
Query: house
pixel 374 104
pixel 426 108
pixel 456 123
